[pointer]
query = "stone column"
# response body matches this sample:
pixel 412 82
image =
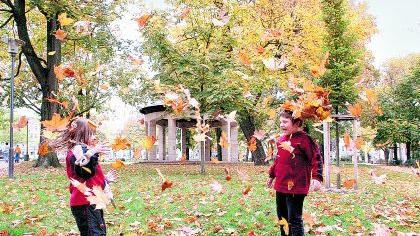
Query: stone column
pixel 183 141
pixel 171 139
pixel 146 131
pixel 225 150
pixel 161 142
pixel 234 154
pixel 152 132
pixel 327 153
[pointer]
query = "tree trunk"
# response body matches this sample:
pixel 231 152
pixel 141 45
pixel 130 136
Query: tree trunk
pixel 408 147
pixel 188 144
pixel 45 76
pixel 395 153
pixel 219 148
pixel 386 154
pixel 337 149
pixel 248 128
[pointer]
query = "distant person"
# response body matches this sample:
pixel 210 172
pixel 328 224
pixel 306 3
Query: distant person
pixel 18 151
pixel 6 152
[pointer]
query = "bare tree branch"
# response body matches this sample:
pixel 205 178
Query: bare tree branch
pixel 7 21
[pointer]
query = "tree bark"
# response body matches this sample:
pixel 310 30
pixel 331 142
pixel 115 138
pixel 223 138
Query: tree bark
pixel 248 128
pixel 44 75
pixel 408 147
pixel 395 153
pixel 386 154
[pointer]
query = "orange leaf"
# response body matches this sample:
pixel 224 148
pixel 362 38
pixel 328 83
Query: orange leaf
pixel 290 185
pixel 60 35
pixel 148 142
pixel 247 190
pixel 251 233
pixel 269 152
pixel 260 49
pixel 142 21
pixel 56 123
pixel 355 110
pixel 22 122
pixel 214 160
pixel 244 59
pixel 185 12
pixel 166 184
pixel 120 143
pixel 56 101
pixel 252 146
pixel 118 164
pixel 347 140
pixel 43 149
pixel 359 143
pixel 348 184
pixel 224 140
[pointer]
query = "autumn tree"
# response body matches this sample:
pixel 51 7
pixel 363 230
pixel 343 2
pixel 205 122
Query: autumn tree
pixel 82 38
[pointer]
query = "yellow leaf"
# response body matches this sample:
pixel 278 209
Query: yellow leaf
pixel 224 140
pixel 118 164
pixel 120 143
pixel 62 18
pixel 148 142
pixel 52 53
pixel 287 145
pixel 283 223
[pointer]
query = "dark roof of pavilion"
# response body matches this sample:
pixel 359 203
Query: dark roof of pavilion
pixel 151 109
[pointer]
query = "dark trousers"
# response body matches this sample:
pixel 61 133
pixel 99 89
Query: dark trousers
pixel 290 206
pixel 89 221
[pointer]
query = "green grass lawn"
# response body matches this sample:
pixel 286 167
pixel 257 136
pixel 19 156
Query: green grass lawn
pixel 36 201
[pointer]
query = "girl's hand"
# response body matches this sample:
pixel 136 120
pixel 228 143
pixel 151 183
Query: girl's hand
pixel 270 183
pixel 99 148
pixel 111 176
pixel 315 185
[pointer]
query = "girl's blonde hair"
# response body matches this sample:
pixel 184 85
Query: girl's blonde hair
pixel 78 132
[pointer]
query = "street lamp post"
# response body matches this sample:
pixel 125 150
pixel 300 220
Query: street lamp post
pixel 27 142
pixel 13 50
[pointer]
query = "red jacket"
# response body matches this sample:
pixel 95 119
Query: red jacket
pixel 77 198
pixel 293 171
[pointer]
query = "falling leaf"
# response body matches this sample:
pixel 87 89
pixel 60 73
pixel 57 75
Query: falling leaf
pixel 52 53
pixel 290 185
pixel 274 64
pixel 347 140
pixel 260 134
pixel 252 146
pixel 283 223
pixel 244 58
pixel 349 184
pixel 118 164
pixel 81 187
pixel 355 110
pixel 247 190
pixel 142 21
pixel 148 142
pixel 359 142
pixel 227 172
pixel 214 160
pixel 56 123
pixel 22 122
pixel 120 143
pixel 43 149
pixel 224 143
pixel 100 199
pixel 56 101
pixel 260 49
pixel 185 12
pixel 60 35
pixel 64 20
pixel 50 135
pixel 166 184
pixel 137 153
pixel 287 145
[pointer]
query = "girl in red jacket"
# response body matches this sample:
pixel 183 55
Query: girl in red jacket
pixel 297 168
pixel 82 165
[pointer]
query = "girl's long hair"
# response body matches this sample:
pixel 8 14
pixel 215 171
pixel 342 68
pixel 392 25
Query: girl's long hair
pixel 78 132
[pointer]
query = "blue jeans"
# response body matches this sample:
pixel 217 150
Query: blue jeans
pixel 290 206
